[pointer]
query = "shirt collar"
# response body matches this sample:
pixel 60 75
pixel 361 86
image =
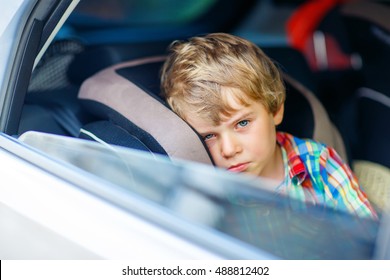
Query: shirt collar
pixel 296 167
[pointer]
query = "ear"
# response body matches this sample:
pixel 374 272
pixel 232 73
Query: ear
pixel 278 116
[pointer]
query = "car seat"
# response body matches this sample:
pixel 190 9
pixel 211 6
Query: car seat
pixel 125 97
pixel 129 111
pixel 368 31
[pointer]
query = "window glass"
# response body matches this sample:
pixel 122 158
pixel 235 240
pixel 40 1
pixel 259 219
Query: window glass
pixel 236 205
pixel 144 12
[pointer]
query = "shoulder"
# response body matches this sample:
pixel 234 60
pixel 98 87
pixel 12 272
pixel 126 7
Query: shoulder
pixel 301 146
pixel 327 174
pixel 320 160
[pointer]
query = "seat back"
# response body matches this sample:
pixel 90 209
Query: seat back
pixel 368 31
pixel 126 95
pixel 129 111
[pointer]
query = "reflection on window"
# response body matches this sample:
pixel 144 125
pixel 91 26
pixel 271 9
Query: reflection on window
pixel 234 205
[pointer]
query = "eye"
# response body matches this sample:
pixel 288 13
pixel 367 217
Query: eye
pixel 208 137
pixel 243 123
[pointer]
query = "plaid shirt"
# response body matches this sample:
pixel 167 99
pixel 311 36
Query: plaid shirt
pixel 317 174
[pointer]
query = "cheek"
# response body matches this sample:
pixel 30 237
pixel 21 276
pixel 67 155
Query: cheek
pixel 262 141
pixel 262 148
pixel 257 147
pixel 215 152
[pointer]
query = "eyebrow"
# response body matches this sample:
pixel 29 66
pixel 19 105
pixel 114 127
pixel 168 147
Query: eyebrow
pixel 239 116
pixel 233 120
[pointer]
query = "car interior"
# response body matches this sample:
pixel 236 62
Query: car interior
pixel 99 79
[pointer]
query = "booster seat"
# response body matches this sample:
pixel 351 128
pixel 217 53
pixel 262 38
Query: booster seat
pixel 130 112
pixel 125 97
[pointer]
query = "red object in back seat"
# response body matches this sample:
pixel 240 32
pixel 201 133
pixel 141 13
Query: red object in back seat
pixel 321 50
pixel 305 20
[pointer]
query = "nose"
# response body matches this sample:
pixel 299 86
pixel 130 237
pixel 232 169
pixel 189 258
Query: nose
pixel 230 145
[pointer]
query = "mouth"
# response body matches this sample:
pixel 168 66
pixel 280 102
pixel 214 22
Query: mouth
pixel 241 167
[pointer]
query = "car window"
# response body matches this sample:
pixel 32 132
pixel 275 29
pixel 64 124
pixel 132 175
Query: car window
pixel 96 22
pixel 146 12
pixel 237 206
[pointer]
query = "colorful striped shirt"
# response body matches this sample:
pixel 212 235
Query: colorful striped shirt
pixel 315 173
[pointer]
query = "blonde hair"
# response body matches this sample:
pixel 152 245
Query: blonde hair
pixel 196 70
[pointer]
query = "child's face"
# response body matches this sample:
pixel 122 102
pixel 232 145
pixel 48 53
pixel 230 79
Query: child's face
pixel 244 141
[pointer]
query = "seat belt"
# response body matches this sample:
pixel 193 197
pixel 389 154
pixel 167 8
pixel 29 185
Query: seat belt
pixel 66 119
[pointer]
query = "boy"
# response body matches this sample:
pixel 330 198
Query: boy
pixel 233 95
